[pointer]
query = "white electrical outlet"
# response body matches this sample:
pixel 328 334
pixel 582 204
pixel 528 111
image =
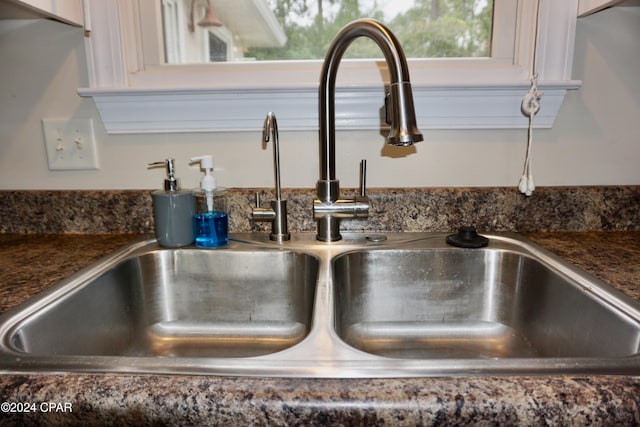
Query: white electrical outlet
pixel 70 144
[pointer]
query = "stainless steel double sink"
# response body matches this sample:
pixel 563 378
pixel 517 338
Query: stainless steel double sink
pixel 394 305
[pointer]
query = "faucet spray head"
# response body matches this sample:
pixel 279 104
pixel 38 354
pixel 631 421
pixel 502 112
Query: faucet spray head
pixel 401 116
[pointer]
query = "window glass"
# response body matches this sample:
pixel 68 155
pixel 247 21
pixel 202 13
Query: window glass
pixel 274 30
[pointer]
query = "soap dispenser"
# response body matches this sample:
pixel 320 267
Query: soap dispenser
pixel 210 222
pixel 173 210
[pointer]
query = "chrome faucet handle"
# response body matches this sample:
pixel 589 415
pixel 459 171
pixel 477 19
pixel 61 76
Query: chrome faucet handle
pixel 259 213
pixel 257 199
pixel 327 213
pixel 277 214
pixel 363 178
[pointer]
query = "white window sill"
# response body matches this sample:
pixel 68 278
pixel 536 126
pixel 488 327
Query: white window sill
pixel 485 106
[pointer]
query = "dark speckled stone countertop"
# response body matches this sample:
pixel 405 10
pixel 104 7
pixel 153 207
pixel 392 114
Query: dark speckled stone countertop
pixel 30 263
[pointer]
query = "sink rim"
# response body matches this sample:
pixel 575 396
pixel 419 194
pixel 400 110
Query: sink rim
pixel 340 360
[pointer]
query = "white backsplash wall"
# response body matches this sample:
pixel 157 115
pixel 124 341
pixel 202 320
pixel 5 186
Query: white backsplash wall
pixel 595 141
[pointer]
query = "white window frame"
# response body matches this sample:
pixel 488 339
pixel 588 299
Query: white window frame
pixel 171 20
pixel 136 93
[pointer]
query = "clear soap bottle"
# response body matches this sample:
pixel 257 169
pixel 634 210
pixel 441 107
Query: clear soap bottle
pixel 173 210
pixel 211 221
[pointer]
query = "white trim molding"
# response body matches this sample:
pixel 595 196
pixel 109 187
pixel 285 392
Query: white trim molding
pixel 136 95
pixel 237 110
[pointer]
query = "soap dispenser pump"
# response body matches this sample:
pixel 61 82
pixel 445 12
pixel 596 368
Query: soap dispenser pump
pixel 173 210
pixel 210 222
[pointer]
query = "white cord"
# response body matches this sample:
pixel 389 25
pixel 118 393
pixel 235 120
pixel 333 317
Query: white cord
pixel 530 106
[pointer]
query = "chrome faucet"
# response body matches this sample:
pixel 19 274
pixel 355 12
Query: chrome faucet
pixel 329 208
pixel 277 214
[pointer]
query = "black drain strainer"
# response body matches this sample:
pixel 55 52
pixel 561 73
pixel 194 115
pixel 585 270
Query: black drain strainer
pixel 467 237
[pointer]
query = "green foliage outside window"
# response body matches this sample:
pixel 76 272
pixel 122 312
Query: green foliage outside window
pixel 427 29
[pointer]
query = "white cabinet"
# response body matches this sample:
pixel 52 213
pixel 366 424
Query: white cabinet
pixel 67 11
pixel 587 7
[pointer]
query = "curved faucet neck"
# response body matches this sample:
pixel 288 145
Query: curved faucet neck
pixel 329 208
pixel 398 73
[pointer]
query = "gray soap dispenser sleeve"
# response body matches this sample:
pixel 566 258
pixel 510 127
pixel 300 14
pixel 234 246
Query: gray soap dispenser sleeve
pixel 173 210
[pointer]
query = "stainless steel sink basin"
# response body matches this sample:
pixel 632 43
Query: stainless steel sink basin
pixel 235 302
pixel 483 303
pixel 400 306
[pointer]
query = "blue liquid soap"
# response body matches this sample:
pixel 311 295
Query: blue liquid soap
pixel 211 229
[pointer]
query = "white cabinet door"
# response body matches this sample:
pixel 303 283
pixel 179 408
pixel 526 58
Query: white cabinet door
pixel 68 11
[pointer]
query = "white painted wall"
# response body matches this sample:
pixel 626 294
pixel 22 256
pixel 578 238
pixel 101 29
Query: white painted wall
pixel 595 141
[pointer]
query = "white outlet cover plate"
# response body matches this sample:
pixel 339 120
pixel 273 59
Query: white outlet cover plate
pixel 70 144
